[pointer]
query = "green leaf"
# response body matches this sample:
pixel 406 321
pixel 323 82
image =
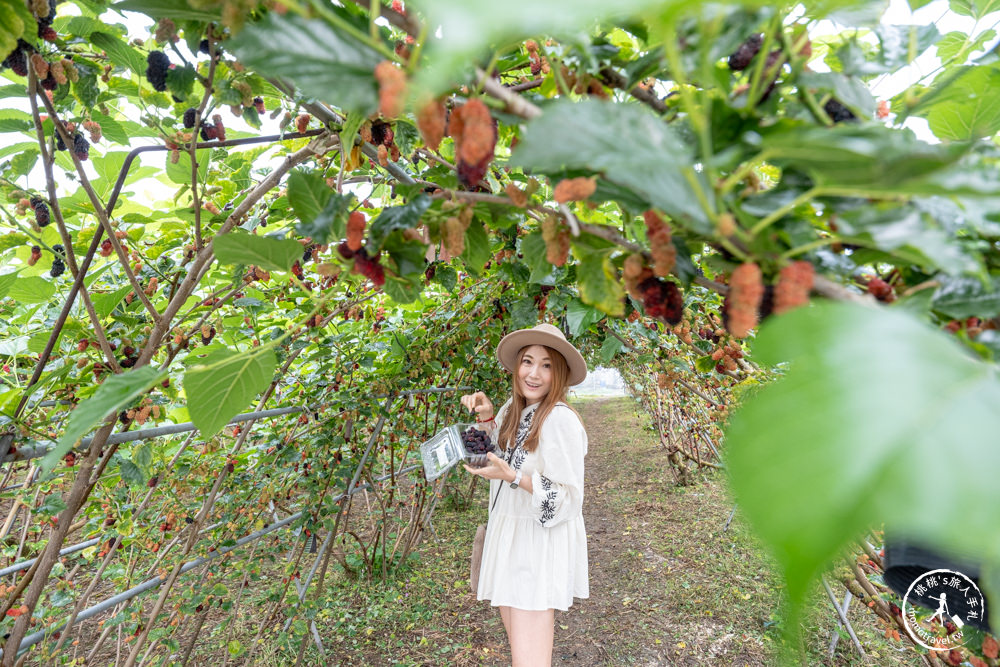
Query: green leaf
pixel 396 217
pixel 705 364
pixel 477 247
pixel 265 252
pixel 409 256
pixel 322 212
pixel 14 120
pixel 969 108
pixel 598 281
pixel 533 249
pixel 7 280
pixel 901 44
pixel 180 172
pixel 870 400
pixel 131 473
pixel 956 43
pixel 222 384
pixel 612 139
pixel 977 9
pixel 446 276
pixel 401 290
pixel 866 158
pixel 115 393
pixel 143 455
pixel 308 194
pixel 14 20
pixel 119 52
pixel 609 348
pixel 324 62
pixel 178 10
pixel 523 314
pixel 180 81
pixel 579 316
pixel 33 289
pixel 105 303
pixel 960 298
pixel 22 163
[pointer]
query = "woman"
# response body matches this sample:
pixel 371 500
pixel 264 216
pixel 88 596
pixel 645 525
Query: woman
pixel 535 553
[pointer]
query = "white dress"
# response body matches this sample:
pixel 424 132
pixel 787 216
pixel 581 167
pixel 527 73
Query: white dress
pixel 535 553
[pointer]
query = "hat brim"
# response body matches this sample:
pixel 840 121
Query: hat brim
pixel 512 343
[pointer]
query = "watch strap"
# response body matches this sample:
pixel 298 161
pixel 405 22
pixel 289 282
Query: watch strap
pixel 517 479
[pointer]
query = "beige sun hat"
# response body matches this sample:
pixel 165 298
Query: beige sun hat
pixel 543 334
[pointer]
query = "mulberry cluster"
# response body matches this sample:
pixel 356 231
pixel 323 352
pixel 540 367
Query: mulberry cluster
pixel 661 245
pixel 740 59
pixel 634 273
pixel 538 64
pixel 369 267
pixel 745 293
pixel 17 60
pixel 477 445
pixel 355 230
pixel 157 65
pixel 207 334
pixel 81 147
pixel 432 120
pixel 837 112
pixel 45 14
pixel 475 136
pixel 454 229
pixel 57 264
pixel 575 189
pixel 166 31
pixel 258 104
pixel 190 117
pixel 41 209
pixel 380 135
pixel 662 299
pixel 36 254
pixel 726 356
pixel 214 130
pixel 94 128
pixel 556 238
pixel 881 290
pixel 794 284
pixel 391 89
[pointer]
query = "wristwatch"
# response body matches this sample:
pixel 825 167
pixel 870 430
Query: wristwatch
pixel 517 479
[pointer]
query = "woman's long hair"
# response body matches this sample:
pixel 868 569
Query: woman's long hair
pixel 507 438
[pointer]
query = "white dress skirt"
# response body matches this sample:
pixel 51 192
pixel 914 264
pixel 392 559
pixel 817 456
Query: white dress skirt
pixel 535 553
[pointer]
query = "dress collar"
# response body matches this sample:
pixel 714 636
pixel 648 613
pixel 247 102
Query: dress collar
pixel 529 408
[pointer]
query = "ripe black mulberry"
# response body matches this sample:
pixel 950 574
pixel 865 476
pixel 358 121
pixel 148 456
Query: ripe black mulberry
pixel 57 268
pixel 41 211
pixel 156 71
pixel 662 300
pixel 17 60
pixel 837 112
pixel 741 57
pixel 81 147
pixel 190 116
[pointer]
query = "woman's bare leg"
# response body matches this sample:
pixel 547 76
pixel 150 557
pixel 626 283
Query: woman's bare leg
pixel 531 635
pixel 505 617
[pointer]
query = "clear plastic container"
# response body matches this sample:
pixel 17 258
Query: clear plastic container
pixel 445 449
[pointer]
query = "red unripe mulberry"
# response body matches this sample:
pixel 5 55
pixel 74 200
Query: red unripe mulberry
pixel 661 246
pixel 745 293
pixel 475 135
pixel 355 230
pixel 431 121
pixel 794 284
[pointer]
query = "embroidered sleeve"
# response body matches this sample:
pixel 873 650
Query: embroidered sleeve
pixel 557 484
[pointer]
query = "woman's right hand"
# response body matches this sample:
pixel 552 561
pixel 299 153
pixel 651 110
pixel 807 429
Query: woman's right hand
pixel 479 404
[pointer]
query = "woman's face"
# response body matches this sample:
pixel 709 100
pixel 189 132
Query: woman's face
pixel 534 375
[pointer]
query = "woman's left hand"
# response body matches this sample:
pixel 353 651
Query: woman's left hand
pixel 495 468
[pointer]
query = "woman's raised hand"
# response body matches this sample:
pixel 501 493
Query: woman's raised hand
pixel 479 404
